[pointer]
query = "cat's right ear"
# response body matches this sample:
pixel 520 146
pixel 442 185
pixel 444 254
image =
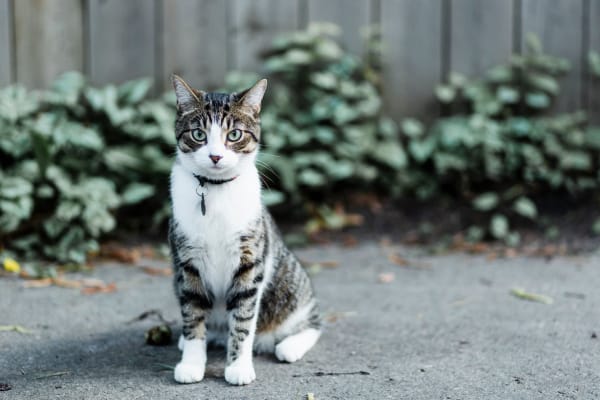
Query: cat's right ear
pixel 187 98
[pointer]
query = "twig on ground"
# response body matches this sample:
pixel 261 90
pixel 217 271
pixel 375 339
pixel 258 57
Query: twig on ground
pixel 148 314
pixel 53 374
pixel 321 373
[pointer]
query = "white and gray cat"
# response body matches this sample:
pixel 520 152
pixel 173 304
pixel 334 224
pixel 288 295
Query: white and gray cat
pixel 236 281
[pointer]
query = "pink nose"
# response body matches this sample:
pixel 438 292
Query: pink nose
pixel 215 159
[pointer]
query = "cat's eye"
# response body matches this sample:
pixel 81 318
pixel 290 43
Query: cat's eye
pixel 234 135
pixel 198 135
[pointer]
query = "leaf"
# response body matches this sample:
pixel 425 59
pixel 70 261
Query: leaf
pixel 134 91
pixel 272 197
pixel 544 82
pixel 311 177
pixel 111 287
pixel 507 95
pixel 486 201
pixel 524 295
pixel 594 63
pixel 136 192
pixel 325 80
pixel 11 265
pixel 596 227
pixel 421 150
pixel 14 328
pixel 412 127
pixel 391 154
pixel 386 277
pixel 537 100
pixel 525 207
pixel 499 226
pixel 576 160
pixel 445 93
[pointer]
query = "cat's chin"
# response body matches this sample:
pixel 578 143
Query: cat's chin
pixel 218 173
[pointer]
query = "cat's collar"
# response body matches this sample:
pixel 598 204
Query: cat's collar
pixel 202 191
pixel 202 180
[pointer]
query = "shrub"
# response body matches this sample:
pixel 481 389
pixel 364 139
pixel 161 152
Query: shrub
pixel 71 156
pixel 323 126
pixel 497 151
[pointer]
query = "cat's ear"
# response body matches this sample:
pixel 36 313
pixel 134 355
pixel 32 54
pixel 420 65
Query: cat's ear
pixel 252 97
pixel 187 98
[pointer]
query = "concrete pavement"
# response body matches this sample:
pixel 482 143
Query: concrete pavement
pixel 439 327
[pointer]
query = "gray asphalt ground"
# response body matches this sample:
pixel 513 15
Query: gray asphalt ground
pixel 446 327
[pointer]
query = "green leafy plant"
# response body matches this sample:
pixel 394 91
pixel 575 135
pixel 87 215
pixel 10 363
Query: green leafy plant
pixel 323 126
pixel 497 150
pixel 74 155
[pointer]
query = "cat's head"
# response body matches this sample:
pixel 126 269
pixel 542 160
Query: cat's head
pixel 217 133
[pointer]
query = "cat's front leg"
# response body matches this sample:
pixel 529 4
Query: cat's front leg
pixel 195 307
pixel 242 308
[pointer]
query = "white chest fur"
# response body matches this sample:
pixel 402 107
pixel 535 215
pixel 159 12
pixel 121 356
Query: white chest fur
pixel 230 209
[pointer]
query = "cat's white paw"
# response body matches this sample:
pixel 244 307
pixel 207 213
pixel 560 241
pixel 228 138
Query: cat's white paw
pixel 188 373
pixel 240 372
pixel 293 348
pixel 180 343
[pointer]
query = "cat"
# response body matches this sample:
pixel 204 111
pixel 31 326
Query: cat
pixel 237 283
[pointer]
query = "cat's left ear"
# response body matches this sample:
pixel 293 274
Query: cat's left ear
pixel 252 97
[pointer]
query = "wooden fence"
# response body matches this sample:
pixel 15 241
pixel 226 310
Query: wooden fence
pixel 115 40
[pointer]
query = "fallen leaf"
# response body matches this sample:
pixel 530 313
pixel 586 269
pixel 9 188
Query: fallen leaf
pixel 350 241
pixel 477 248
pixel 11 265
pixel 66 283
pixel 121 253
pixel 397 259
pixel 14 328
pixel 510 253
pixel 386 277
pixel 38 283
pixel 310 396
pixel 157 271
pixel 385 241
pixel 522 294
pixel 93 282
pixel 335 316
pixel 111 287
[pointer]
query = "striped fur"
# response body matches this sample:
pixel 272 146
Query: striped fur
pixel 236 282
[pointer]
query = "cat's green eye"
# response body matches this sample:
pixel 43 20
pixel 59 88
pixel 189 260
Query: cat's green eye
pixel 198 135
pixel 234 135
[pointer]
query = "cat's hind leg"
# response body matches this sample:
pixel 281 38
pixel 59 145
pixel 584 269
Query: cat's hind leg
pixel 293 347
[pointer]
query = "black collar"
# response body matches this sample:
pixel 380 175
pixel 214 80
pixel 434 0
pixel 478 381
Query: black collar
pixel 202 180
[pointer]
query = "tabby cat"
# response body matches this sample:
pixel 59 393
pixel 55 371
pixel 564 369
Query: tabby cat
pixel 236 282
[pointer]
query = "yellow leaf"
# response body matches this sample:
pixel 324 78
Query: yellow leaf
pixel 11 265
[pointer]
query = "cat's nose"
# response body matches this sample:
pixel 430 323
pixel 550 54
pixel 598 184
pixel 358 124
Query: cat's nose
pixel 215 159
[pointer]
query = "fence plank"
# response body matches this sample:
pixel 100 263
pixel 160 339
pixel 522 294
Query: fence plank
pixel 480 35
pixel 254 25
pixel 412 56
pixel 121 40
pixel 559 28
pixel 5 43
pixel 592 83
pixel 195 42
pixel 49 39
pixel 350 15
